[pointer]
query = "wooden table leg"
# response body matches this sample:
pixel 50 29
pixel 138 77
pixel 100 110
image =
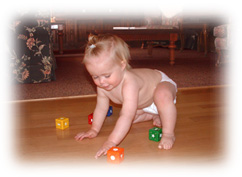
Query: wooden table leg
pixel 205 39
pixel 172 46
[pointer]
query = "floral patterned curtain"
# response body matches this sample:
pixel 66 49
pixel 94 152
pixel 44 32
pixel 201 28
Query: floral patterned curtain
pixel 32 59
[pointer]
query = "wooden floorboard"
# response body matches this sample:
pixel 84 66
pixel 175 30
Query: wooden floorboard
pixel 199 131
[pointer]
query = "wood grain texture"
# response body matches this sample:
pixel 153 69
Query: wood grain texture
pixel 199 131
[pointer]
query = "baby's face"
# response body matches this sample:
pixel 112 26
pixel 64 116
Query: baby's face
pixel 105 71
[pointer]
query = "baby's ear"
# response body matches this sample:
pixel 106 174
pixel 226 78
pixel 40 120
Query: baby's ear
pixel 123 64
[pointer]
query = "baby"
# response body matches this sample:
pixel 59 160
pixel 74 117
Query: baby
pixel 145 94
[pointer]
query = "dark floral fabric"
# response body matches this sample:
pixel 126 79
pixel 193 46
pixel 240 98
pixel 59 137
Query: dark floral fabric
pixel 32 59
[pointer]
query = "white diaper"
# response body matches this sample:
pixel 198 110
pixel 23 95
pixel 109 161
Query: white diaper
pixel 152 108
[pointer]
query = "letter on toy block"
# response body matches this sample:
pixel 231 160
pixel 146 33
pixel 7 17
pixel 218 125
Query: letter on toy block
pixel 62 123
pixel 155 134
pixel 115 155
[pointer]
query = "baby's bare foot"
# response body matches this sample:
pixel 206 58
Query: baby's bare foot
pixel 156 121
pixel 166 141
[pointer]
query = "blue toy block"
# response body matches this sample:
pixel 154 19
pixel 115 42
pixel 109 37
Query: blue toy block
pixel 110 111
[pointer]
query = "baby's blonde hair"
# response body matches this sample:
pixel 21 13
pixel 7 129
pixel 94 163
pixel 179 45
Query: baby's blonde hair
pixel 112 44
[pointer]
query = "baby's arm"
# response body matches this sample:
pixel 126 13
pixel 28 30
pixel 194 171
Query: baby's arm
pixel 99 116
pixel 124 122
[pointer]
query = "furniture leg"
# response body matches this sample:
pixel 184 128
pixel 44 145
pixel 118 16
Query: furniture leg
pixel 172 46
pixel 205 39
pixel 142 46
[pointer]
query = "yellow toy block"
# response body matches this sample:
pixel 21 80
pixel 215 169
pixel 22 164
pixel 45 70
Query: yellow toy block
pixel 62 123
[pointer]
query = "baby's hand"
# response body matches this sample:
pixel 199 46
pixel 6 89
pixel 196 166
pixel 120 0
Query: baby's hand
pixel 103 150
pixel 89 134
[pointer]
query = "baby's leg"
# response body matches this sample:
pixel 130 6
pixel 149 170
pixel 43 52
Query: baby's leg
pixel 142 116
pixel 164 100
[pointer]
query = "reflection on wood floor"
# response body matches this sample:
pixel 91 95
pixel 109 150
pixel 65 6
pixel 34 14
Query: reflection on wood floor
pixel 199 130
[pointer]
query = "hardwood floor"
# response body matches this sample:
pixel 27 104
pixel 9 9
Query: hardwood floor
pixel 199 131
